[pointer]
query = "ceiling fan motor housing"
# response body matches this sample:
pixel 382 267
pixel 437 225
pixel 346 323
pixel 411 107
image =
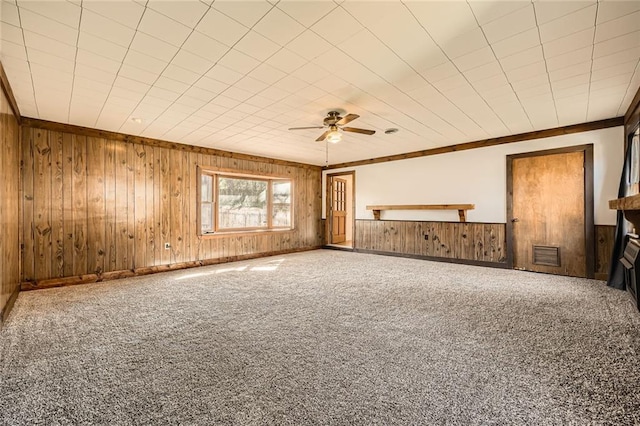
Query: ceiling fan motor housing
pixel 332 118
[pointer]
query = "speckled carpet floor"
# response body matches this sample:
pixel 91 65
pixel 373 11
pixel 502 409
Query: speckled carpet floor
pixel 324 337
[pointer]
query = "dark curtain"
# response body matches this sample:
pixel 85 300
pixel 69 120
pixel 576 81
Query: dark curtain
pixel 616 270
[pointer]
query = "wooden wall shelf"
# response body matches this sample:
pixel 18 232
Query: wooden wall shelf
pixel 462 208
pixel 630 206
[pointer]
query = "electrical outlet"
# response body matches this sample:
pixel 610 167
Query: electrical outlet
pixel 167 246
pixel 426 237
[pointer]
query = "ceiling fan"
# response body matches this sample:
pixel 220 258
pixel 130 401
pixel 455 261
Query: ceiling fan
pixel 335 123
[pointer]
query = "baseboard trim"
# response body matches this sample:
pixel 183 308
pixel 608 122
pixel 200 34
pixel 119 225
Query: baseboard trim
pixel 602 276
pixel 334 247
pixel 500 265
pixel 7 308
pixel 146 270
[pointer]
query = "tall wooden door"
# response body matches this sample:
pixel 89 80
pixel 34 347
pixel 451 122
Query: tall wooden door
pixel 338 210
pixel 549 213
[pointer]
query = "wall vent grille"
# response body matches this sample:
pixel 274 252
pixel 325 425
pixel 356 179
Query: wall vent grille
pixel 546 255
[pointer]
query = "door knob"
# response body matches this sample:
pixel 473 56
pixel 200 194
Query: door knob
pixel 515 219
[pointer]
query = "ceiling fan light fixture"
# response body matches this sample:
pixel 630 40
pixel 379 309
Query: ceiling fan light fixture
pixel 334 136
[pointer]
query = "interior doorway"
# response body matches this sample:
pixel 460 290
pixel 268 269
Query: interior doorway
pixel 550 224
pixel 340 196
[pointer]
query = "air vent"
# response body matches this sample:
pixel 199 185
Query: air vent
pixel 546 255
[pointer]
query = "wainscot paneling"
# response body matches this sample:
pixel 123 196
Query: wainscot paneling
pixel 478 243
pixel 605 240
pixel 98 208
pixel 9 206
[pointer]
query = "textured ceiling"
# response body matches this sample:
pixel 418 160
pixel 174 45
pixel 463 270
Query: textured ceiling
pixel 234 75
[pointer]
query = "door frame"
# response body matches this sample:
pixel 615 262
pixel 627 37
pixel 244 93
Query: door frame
pixel 328 209
pixel 589 224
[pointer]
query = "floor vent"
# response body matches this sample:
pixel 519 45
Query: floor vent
pixel 546 255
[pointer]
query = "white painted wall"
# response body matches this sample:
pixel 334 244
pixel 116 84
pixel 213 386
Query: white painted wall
pixel 478 176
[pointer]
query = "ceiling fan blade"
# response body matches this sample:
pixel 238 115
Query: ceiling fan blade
pixel 304 128
pixel 347 118
pixel 356 130
pixel 323 136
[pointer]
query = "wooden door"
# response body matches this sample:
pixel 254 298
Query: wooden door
pixel 548 219
pixel 338 210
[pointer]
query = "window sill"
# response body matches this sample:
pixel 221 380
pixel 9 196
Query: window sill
pixel 221 234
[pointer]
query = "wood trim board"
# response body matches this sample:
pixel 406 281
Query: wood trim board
pixel 6 88
pixel 539 134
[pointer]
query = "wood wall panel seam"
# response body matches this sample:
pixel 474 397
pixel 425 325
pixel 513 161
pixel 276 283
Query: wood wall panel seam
pixel 539 134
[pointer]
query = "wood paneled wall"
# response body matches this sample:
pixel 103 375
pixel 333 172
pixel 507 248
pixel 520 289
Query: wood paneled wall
pixel 605 236
pixel 473 242
pixel 470 242
pixel 9 207
pixel 98 208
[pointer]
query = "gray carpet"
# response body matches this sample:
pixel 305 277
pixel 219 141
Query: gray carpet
pixel 324 337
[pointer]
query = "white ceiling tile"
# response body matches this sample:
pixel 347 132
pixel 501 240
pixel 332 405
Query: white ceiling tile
pixel 94 74
pixel 14 50
pixel 278 27
pixel 13 33
pixel 285 60
pixel 101 47
pixel 267 74
pixel 153 47
pixel 138 74
pixel 204 46
pixel 187 13
pixel 239 62
pixel 526 57
pixel 549 10
pixel 526 72
pixel 568 24
pixel 307 13
pixel 487 11
pixel 309 45
pixel 451 83
pixel 210 85
pixel 99 26
pixel 485 71
pixel 440 72
pixel 291 84
pixel 159 26
pixel 47 27
pixel 192 62
pixel 180 74
pixel 475 59
pixel 337 26
pixel 144 62
pixel 222 28
pixel 464 44
pixel 127 13
pixel 251 84
pixel 51 61
pixel 581 90
pixel 171 85
pixel 510 25
pixel 617 27
pixel 257 46
pixel 444 20
pixel 568 59
pixel 616 58
pixel 622 68
pixel 570 71
pixel 49 45
pixel 517 43
pixel 131 85
pixel 164 94
pixel 245 12
pixel 9 13
pixel 311 73
pixel 608 10
pixel 224 74
pixel 534 81
pixel 576 80
pixel 622 79
pixel 569 43
pixel 63 12
pixel 624 42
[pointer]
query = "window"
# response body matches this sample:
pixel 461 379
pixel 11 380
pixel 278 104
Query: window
pixel 230 202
